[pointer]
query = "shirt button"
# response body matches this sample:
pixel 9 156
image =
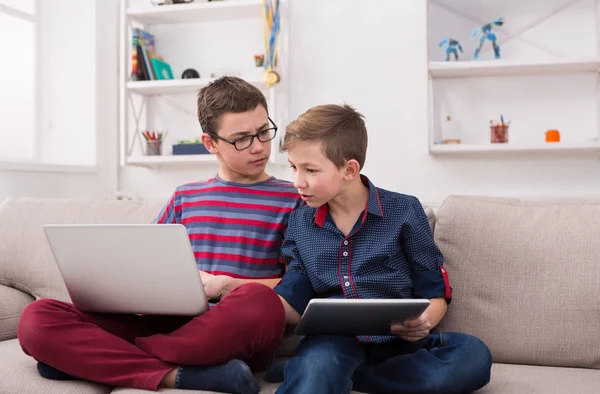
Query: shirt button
pixel 345 242
pixel 345 254
pixel 345 276
pixel 347 284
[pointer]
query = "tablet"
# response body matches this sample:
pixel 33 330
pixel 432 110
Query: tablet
pixel 354 317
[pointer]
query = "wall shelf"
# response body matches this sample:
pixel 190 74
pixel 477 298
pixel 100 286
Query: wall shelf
pixel 197 12
pixel 176 160
pixel 178 86
pixel 482 68
pixel 442 149
pixel 534 86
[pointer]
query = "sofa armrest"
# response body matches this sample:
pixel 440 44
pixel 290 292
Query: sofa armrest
pixel 12 303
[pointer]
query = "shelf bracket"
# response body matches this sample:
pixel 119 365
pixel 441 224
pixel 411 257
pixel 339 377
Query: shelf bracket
pixel 137 115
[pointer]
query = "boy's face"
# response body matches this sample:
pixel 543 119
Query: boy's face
pixel 247 165
pixel 317 179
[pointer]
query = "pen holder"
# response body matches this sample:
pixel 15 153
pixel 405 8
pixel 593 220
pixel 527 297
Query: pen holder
pixel 154 148
pixel 499 134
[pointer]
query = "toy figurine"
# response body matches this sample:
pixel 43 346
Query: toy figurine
pixel 451 47
pixel 487 34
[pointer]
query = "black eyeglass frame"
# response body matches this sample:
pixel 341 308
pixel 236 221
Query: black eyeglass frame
pixel 252 136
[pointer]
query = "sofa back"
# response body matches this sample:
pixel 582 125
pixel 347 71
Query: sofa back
pixel 26 261
pixel 525 277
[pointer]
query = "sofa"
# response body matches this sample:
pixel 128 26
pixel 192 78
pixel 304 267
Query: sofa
pixel 525 275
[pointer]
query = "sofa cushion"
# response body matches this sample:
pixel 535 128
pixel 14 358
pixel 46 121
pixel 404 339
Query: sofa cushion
pixel 511 379
pixel 526 277
pixel 20 376
pixel 26 261
pixel 12 303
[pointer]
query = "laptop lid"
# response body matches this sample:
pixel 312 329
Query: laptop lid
pixel 128 268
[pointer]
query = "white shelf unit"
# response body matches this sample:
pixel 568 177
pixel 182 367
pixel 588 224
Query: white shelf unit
pixel 532 69
pixel 171 161
pixel 491 68
pixel 136 97
pixel 454 149
pixel 177 86
pixel 197 12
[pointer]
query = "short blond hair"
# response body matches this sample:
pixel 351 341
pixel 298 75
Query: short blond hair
pixel 340 128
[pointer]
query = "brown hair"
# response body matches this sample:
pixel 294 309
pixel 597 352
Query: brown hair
pixel 340 128
pixel 226 94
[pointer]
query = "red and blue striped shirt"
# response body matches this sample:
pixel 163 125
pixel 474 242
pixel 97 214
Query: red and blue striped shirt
pixel 235 229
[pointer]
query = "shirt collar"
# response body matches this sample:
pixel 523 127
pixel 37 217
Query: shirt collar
pixel 373 204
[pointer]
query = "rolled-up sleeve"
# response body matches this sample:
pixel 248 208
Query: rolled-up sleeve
pixel 430 279
pixel 295 286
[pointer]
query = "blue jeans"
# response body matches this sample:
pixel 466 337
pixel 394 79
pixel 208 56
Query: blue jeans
pixel 445 363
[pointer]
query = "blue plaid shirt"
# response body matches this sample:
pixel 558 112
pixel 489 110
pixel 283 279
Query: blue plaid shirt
pixel 390 253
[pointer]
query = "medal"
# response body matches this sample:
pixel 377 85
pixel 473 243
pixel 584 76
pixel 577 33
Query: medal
pixel 271 25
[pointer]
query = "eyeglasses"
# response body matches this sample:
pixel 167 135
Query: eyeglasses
pixel 246 141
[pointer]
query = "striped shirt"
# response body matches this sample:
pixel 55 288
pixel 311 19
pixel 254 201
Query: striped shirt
pixel 235 229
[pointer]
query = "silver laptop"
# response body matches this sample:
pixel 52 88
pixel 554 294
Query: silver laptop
pixel 353 317
pixel 128 268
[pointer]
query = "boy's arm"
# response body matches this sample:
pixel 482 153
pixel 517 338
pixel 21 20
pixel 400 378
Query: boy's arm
pixel 268 282
pixel 168 214
pixel 295 289
pixel 218 286
pixel 429 276
pixel 227 283
pixel 430 279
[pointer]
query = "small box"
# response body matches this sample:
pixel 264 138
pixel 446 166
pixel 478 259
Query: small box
pixel 190 149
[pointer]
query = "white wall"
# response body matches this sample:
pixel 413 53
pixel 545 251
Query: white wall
pixel 17 79
pixel 373 55
pixel 534 104
pixel 67 75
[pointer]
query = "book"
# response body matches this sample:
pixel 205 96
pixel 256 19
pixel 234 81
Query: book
pixel 162 70
pixel 139 37
pixel 143 73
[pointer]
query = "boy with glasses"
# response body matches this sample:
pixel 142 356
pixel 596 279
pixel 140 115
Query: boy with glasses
pixel 235 223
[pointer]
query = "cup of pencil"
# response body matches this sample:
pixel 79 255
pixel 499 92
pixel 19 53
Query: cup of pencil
pixel 499 131
pixel 154 142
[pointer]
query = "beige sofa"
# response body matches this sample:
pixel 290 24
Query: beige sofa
pixel 526 279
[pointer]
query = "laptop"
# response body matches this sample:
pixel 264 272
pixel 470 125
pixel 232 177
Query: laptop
pixel 128 268
pixel 356 317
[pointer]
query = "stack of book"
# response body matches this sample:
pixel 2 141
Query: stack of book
pixel 146 64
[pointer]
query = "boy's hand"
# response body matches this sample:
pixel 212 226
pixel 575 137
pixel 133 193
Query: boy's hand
pixel 216 285
pixel 205 276
pixel 413 330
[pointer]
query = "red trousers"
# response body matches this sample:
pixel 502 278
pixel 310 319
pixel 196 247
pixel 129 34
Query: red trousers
pixel 138 351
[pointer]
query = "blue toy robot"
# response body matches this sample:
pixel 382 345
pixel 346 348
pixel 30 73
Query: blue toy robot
pixel 451 47
pixel 487 34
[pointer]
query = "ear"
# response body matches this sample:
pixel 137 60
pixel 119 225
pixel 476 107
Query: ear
pixel 209 143
pixel 351 170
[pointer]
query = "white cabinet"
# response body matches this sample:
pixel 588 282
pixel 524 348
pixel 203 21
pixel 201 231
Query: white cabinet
pixel 214 38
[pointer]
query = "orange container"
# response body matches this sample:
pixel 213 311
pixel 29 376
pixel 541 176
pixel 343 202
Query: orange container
pixel 552 136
